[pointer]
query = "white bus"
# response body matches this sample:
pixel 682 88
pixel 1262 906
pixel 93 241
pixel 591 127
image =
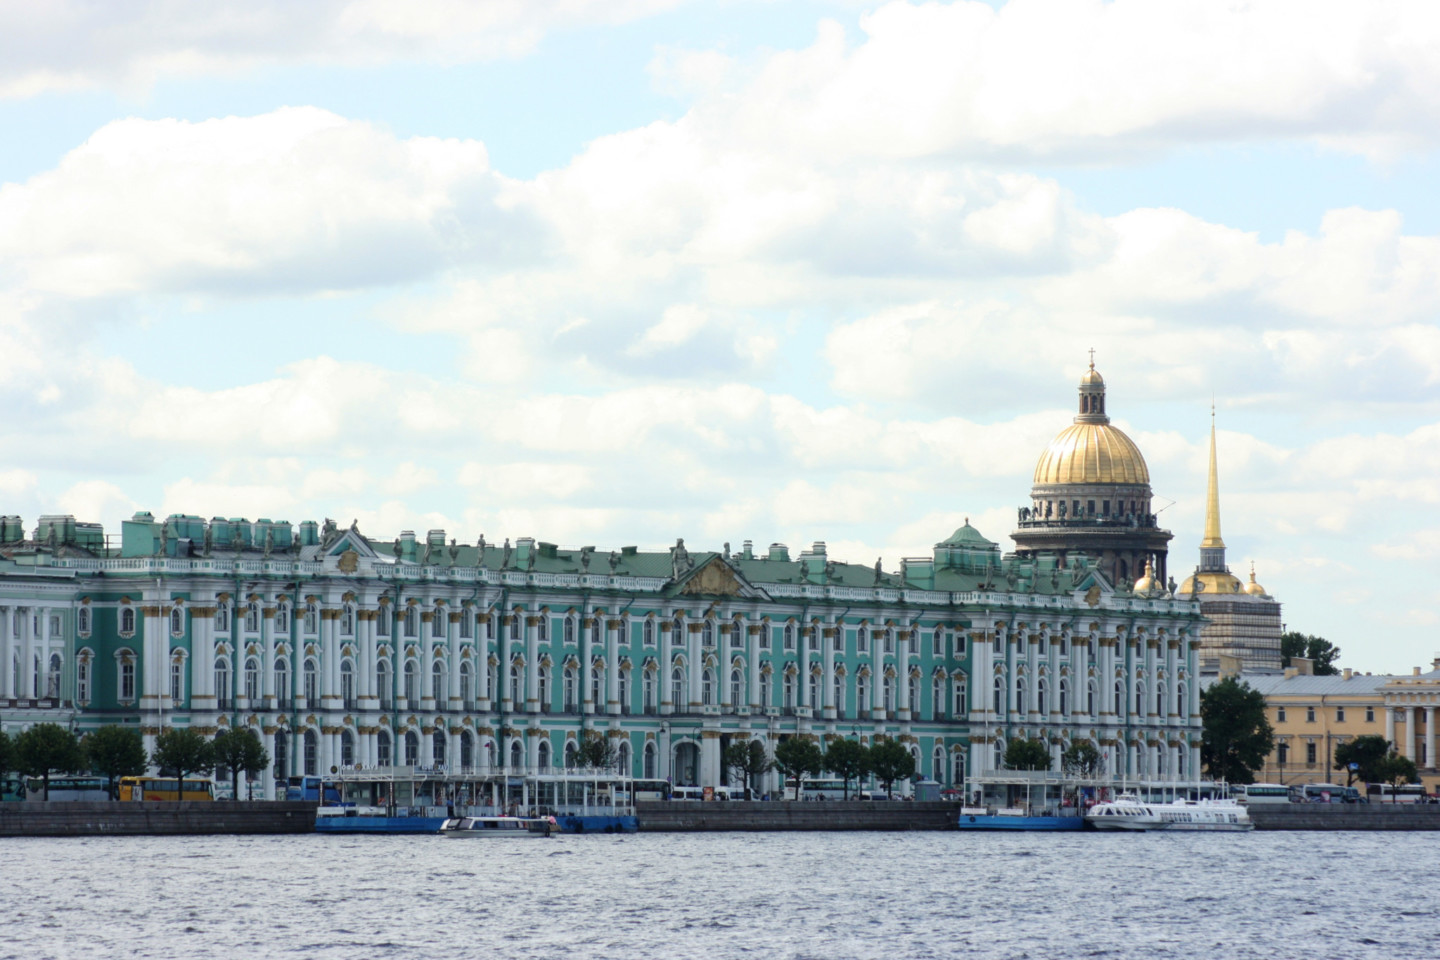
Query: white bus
pixel 1264 793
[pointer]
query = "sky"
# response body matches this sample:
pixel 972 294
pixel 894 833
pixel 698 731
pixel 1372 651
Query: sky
pixel 619 272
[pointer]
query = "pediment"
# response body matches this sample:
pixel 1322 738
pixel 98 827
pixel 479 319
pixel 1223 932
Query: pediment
pixel 716 578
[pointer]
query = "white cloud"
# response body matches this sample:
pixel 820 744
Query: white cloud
pixel 68 44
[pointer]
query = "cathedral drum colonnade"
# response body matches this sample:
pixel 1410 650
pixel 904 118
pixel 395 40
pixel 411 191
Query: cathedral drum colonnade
pixel 340 650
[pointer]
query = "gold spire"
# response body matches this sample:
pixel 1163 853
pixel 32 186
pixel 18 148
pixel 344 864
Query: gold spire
pixel 1212 498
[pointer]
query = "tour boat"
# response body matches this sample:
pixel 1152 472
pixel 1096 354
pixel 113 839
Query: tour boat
pixel 513 827
pixel 1128 812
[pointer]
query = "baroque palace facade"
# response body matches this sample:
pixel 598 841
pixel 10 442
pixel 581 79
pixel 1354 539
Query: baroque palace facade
pixel 341 650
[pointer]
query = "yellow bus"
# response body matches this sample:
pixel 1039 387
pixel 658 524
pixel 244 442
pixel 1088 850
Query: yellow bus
pixel 163 788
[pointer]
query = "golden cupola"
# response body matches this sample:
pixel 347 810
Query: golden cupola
pixel 1091 450
pixel 1253 588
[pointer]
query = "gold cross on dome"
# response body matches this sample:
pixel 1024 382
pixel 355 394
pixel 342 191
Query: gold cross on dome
pixel 1092 358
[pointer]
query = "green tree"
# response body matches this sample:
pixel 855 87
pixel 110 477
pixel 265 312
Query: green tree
pixel 116 752
pixel 1027 755
pixel 846 759
pixel 747 762
pixel 799 757
pixel 889 760
pixel 48 748
pixel 239 751
pixel 1080 759
pixel 1237 735
pixel 1396 770
pixel 1322 651
pixel 1365 753
pixel 180 751
pixel 596 750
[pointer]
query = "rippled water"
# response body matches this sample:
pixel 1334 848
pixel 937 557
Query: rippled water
pixel 795 895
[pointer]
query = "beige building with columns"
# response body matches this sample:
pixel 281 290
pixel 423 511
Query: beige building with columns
pixel 1313 715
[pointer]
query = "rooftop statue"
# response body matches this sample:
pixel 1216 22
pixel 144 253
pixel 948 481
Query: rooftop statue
pixel 454 551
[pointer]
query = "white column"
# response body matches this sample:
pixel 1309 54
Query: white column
pixel 1390 726
pixel 1430 738
pixel 1410 738
pixel 267 657
pixel 532 671
pixel 830 639
pixel 752 663
pixel 612 666
pixel 155 647
pixel 452 638
pixel 588 706
pixel 330 671
pixel 428 694
pixel 202 659
pixel 694 655
pixel 904 638
pixel 25 681
pixel 7 652
pixel 723 669
pixel 502 679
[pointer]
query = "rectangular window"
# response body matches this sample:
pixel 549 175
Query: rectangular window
pixel 1309 714
pixel 1369 714
pixel 937 643
pixel 177 682
pixel 1339 714
pixel 1310 753
pixel 127 681
pixel 1279 714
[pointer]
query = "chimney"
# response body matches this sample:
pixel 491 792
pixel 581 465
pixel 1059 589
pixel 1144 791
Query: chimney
pixel 1231 665
pixel 1304 666
pixel 1348 673
pixel 1435 663
pixel 1414 671
pixel 1291 672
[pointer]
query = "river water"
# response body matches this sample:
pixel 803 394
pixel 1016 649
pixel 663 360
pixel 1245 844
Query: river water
pixel 788 895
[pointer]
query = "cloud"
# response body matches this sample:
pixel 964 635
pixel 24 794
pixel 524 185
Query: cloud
pixel 68 44
pixel 1066 80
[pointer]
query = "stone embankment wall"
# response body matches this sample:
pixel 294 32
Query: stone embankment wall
pixel 698 816
pixel 1345 816
pixel 154 819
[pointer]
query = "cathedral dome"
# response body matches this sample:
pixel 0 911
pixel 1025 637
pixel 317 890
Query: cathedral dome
pixel 1253 588
pixel 1091 452
pixel 1213 584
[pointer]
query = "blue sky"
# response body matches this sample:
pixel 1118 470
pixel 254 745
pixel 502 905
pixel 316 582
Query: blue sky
pixel 622 272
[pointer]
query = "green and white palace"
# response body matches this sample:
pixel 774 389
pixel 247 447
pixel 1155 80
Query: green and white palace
pixel 341 649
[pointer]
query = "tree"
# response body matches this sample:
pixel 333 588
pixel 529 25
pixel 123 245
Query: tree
pixel 180 751
pixel 47 748
pixel 596 750
pixel 1237 736
pixel 889 760
pixel 798 758
pixel 747 762
pixel 239 751
pixel 846 759
pixel 115 751
pixel 1397 771
pixel 1322 651
pixel 1080 759
pixel 1365 753
pixel 1027 755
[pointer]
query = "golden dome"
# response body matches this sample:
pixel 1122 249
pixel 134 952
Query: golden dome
pixel 1147 585
pixel 1253 588
pixel 1216 584
pixel 1092 453
pixel 1091 376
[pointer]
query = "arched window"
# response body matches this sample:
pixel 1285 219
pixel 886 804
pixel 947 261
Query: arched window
pixel 707 634
pixel 839 695
pixel 177 622
pixel 127 619
pixel 707 688
pixel 222 684
pixel 1019 695
pixel 467 687
pixel 1180 700
pixel 517 692
pixel 572 754
pixel 622 684
pixel 383 756
pixel 82 679
pixel 1119 698
pixel 567 680
pixel 1160 699
pixel 252 681
pixel 52 678
pixel 125 676
pixel 789 636
pixel 347 620
pixel 622 758
pixel 1064 697
pixel 597 687
pixel 440 681
pixel 282 620
pixel 412 622
pixel 543 755
pixel 281 754
pixel 815 692
pixel 887 688
pixel 1139 700
pixel 312 753
pixel 312 619
pixel 467 625
pixel 543 678
pixel 937 765
pixel 647 692
pixel 282 683
pixel 438 747
pixel 937 698
pixel 517 754
pixel 862 695
pixel 467 750
pixel 787 688
pixel 962 698
pixel 650 760
pixel 677 688
pixel 383 684
pixel 412 682
pixel 1090 698
pixel 999 695
pixel 569 631
pixel 439 618
pixel 737 688
pixel 311 682
pixel 1042 696
pixel 222 619
pixel 347 748
pixel 412 748
pixel 252 618
pixel 347 683
pixel 649 633
pixel 82 621
pixel 862 640
pixel 914 684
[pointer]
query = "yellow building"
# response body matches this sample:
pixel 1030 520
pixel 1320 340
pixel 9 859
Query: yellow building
pixel 1313 715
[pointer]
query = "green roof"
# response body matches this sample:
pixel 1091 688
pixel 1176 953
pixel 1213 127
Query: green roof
pixel 967 536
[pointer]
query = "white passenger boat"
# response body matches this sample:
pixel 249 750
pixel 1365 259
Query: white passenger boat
pixel 1130 813
pixel 512 827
